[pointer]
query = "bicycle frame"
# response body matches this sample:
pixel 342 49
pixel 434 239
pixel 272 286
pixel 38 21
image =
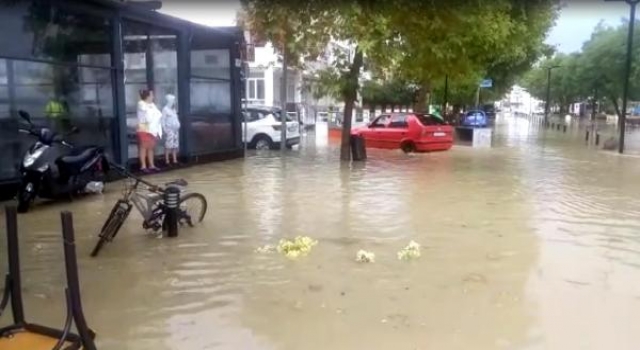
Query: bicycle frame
pixel 145 203
pixel 151 205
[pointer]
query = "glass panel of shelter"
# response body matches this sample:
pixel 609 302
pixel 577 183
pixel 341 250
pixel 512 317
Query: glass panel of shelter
pixel 150 56
pixel 210 86
pixel 54 57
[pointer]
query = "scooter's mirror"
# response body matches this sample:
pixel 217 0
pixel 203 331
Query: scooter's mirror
pixel 24 115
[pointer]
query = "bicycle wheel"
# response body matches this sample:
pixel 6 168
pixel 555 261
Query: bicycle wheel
pixel 193 207
pixel 116 218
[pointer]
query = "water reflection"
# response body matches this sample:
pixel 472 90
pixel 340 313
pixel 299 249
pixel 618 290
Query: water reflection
pixel 532 244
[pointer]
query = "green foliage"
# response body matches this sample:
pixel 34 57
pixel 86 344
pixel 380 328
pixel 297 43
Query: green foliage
pixel 566 86
pixel 468 41
pixel 387 93
pixel 600 65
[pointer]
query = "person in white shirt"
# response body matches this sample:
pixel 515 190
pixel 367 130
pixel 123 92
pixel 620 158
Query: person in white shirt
pixel 149 130
pixel 171 130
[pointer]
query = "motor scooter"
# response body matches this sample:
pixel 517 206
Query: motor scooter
pixel 53 168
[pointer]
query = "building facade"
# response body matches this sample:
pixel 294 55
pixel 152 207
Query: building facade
pixel 92 57
pixel 519 100
pixel 264 81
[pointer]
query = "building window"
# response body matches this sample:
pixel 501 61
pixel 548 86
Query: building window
pixel 291 92
pixel 255 89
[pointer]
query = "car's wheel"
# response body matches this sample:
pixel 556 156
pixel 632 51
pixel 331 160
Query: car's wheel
pixel 408 147
pixel 263 142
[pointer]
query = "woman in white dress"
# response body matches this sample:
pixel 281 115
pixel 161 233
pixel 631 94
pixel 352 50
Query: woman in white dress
pixel 149 130
pixel 171 129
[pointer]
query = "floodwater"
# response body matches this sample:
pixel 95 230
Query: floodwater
pixel 532 244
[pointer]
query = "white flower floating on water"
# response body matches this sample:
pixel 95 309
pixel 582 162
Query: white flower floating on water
pixel 299 246
pixel 365 256
pixel 411 251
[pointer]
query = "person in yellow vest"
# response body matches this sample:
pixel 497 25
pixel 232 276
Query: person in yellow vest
pixel 57 112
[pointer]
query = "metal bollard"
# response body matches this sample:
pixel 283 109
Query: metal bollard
pixel 597 139
pixel 586 138
pixel 564 129
pixel 13 252
pixel 558 127
pixel 171 200
pixel 358 148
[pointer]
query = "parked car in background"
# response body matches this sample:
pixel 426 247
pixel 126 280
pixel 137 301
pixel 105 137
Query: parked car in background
pixel 475 118
pixel 410 132
pixel 263 126
pixel 490 110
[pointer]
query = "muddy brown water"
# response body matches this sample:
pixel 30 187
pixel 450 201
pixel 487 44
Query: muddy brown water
pixel 533 244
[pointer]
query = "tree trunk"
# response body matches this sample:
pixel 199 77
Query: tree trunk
pixel 350 95
pixel 423 97
pixel 393 108
pixel 283 97
pixel 421 101
pixel 617 109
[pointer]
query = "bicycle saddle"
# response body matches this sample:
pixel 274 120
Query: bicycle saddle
pixel 178 182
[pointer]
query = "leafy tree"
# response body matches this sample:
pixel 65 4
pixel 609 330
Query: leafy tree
pixel 597 69
pixel 387 93
pixel 566 84
pixel 497 38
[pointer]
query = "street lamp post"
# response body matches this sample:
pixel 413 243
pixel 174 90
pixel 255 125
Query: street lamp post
pixel 627 70
pixel 546 103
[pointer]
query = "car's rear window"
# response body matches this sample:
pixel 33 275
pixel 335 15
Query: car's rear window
pixel 475 114
pixel 428 119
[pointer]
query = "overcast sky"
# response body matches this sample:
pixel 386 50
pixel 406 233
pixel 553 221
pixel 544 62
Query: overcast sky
pixel 574 27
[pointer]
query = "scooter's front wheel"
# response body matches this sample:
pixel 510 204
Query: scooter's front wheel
pixel 25 198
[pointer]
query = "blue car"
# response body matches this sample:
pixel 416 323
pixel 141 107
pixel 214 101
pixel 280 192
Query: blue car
pixel 475 119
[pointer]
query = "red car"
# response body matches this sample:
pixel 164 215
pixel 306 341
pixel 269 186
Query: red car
pixel 411 132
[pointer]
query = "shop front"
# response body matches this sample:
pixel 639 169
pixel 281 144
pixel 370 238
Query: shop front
pixel 82 64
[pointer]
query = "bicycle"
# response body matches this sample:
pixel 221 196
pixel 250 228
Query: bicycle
pixel 150 205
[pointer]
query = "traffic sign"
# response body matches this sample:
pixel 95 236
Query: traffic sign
pixel 486 83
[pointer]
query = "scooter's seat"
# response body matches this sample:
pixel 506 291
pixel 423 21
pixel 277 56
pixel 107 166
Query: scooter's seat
pixel 79 156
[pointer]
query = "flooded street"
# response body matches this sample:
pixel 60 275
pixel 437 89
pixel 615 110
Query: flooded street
pixel 532 244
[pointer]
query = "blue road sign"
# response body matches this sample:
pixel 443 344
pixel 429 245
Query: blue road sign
pixel 486 83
